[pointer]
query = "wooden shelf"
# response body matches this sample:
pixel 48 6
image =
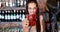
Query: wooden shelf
pixel 13 8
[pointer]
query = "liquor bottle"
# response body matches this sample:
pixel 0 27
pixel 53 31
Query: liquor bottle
pixel 23 15
pixel 17 15
pixel 18 3
pixel 12 15
pixel 7 4
pixel 21 3
pixel 5 15
pixel 8 15
pixel 23 11
pixel 0 15
pixel 10 3
pixel 25 3
pixel 17 30
pixel 20 18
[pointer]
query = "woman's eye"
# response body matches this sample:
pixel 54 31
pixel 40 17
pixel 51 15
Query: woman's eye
pixel 34 8
pixel 29 8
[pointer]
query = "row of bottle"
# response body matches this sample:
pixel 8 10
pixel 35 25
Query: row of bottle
pixel 12 15
pixel 11 29
pixel 15 3
pixel 14 30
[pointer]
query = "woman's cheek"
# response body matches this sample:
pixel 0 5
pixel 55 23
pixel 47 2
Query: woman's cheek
pixel 35 11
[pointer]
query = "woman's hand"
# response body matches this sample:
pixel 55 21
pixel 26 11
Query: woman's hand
pixel 25 24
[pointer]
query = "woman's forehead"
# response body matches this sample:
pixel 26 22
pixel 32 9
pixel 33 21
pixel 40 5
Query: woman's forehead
pixel 32 5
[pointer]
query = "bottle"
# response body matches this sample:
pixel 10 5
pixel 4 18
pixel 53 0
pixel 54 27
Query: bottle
pixel 5 15
pixel 21 3
pixel 10 3
pixel 17 15
pixel 6 4
pixel 12 15
pixel 25 3
pixel 23 15
pixel 0 15
pixel 13 4
pixel 20 18
pixel 8 15
pixel 18 3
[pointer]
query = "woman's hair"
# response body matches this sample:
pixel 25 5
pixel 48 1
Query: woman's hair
pixel 30 1
pixel 37 13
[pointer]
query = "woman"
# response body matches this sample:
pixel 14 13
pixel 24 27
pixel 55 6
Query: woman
pixel 32 8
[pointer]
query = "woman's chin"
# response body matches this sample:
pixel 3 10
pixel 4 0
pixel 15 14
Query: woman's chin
pixel 31 13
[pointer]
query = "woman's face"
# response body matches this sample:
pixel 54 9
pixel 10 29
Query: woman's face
pixel 32 8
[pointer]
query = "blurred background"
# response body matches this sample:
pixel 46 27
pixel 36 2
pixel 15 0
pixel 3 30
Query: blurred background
pixel 13 11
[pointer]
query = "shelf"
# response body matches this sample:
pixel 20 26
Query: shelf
pixel 10 24
pixel 13 8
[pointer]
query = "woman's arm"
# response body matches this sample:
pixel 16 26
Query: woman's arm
pixel 42 23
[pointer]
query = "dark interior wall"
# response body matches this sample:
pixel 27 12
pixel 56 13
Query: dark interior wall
pixel 52 2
